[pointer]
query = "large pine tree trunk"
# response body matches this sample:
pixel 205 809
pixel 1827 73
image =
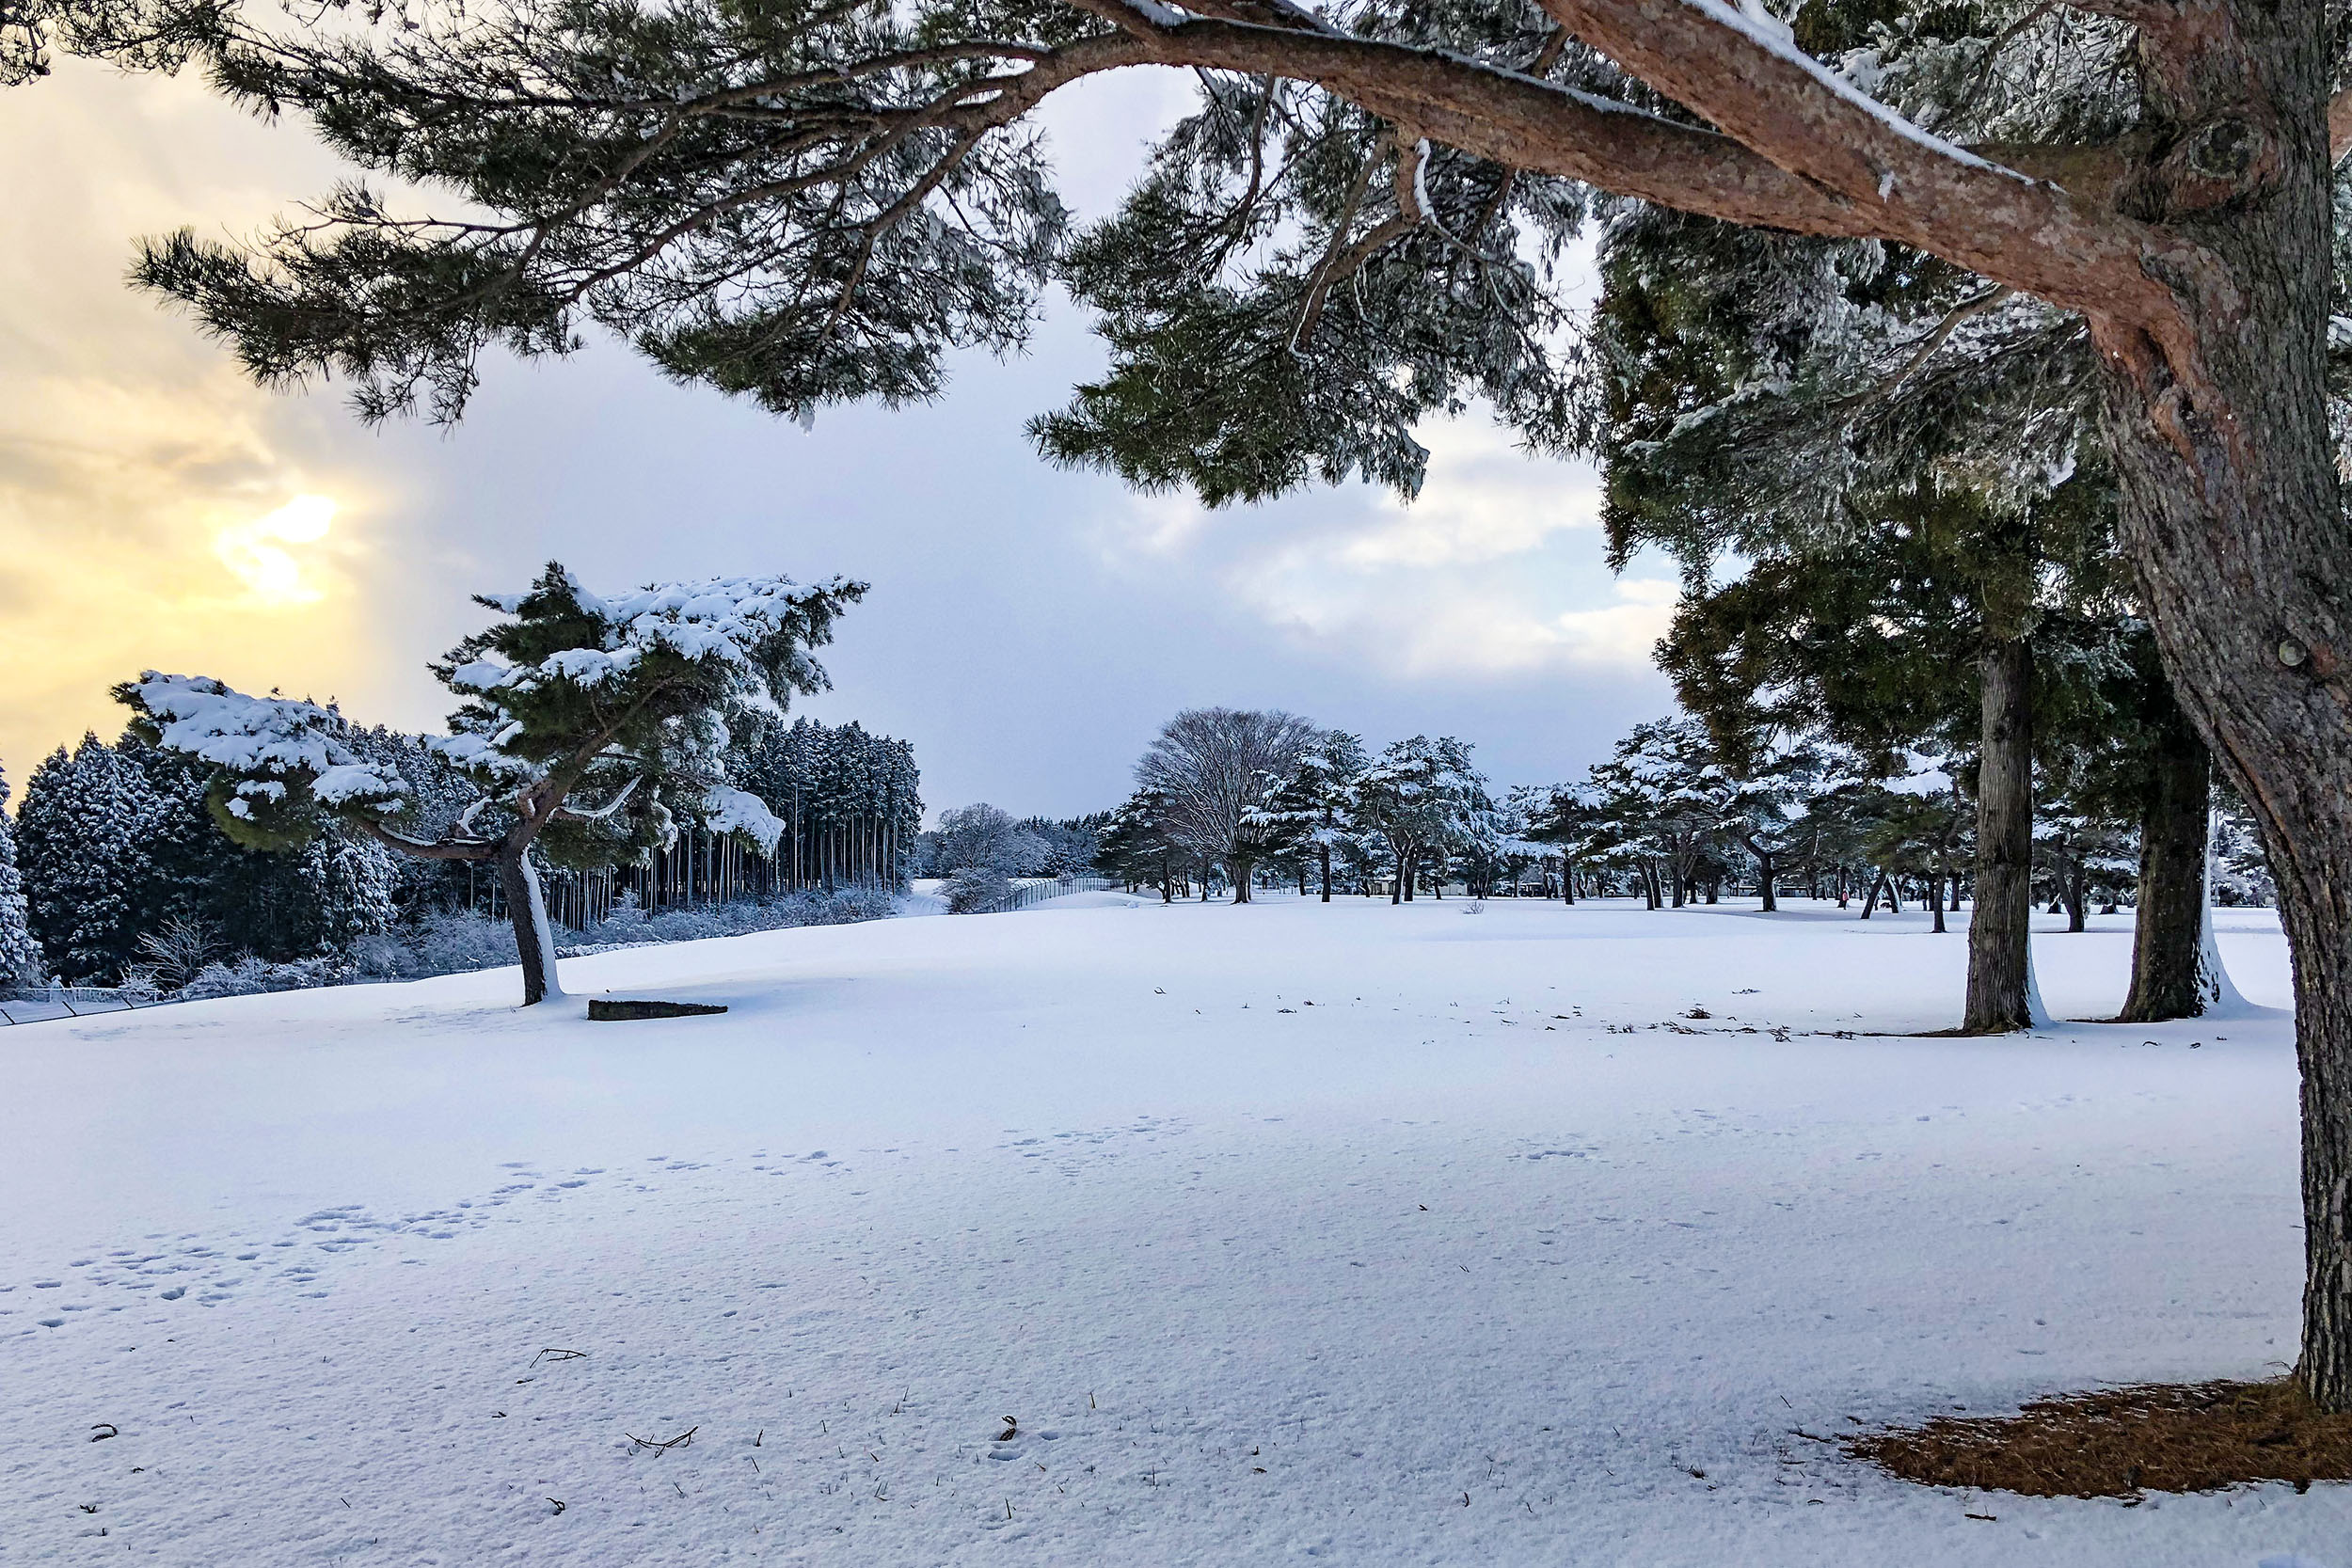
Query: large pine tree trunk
pixel 535 939
pixel 2232 514
pixel 2166 941
pixel 1997 956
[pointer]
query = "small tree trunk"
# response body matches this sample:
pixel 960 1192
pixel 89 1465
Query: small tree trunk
pixel 1943 875
pixel 1397 893
pixel 1870 899
pixel 2167 928
pixel 1239 871
pixel 1764 876
pixel 1997 936
pixel 534 940
pixel 2078 894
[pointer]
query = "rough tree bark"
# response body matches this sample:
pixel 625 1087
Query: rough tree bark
pixel 1997 954
pixel 2232 514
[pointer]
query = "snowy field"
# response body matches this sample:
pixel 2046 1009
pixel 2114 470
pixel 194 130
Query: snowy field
pixel 1353 1234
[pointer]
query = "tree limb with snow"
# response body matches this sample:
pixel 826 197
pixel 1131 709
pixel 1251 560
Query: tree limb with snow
pixel 589 725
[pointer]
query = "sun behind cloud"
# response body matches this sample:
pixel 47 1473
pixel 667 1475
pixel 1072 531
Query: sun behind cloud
pixel 257 553
pixel 158 511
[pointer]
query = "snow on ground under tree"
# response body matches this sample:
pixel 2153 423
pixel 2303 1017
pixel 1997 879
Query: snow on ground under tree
pixel 1444 1268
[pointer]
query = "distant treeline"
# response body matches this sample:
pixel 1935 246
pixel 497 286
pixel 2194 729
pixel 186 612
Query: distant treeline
pixel 122 868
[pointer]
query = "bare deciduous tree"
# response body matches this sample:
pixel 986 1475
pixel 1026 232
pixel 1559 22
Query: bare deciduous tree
pixel 1212 766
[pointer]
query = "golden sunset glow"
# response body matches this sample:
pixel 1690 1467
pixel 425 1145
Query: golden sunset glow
pixel 158 511
pixel 256 552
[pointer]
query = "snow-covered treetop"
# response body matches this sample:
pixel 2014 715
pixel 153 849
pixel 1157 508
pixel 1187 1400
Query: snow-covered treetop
pixel 731 621
pixel 586 723
pixel 273 744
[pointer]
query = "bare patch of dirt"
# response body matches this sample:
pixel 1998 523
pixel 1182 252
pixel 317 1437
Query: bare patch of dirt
pixel 2121 1442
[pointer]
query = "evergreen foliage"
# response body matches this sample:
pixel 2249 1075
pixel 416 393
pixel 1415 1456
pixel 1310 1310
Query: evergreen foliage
pixel 1139 845
pixel 1305 814
pixel 83 839
pixel 624 700
pixel 851 801
pixel 20 955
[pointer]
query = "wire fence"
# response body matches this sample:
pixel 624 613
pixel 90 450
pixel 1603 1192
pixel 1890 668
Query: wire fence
pixel 1039 892
pixel 38 1004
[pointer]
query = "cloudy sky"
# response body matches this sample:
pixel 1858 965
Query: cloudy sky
pixel 1027 630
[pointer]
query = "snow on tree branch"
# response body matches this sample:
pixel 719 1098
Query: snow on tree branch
pixel 728 810
pixel 275 745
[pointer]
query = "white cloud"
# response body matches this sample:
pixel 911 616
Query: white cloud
pixel 1496 570
pixel 1485 499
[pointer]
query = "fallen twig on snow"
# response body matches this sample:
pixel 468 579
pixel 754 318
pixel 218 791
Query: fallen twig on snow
pixel 681 1440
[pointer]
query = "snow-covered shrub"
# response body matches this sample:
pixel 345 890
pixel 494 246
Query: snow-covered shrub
pixel 139 987
pixel 844 907
pixel 628 926
pixel 175 952
pixel 456 941
pixel 251 976
pixel 443 943
pixel 975 887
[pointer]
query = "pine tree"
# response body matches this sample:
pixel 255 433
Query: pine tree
pixel 1139 846
pixel 1306 813
pixel 83 837
pixel 350 883
pixel 20 955
pixel 1417 799
pixel 1652 810
pixel 586 725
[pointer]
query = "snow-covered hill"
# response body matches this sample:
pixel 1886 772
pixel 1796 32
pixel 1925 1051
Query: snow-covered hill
pixel 1351 1233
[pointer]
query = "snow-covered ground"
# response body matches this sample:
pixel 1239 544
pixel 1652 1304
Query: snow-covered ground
pixel 1357 1233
